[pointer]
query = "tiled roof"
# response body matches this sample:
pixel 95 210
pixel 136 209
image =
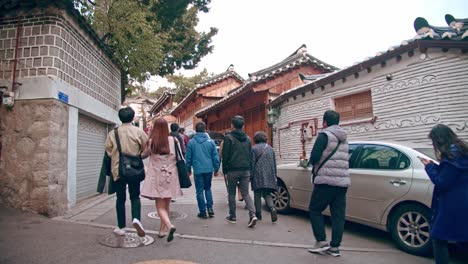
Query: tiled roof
pixel 456 29
pixel 234 93
pixel 166 95
pixel 299 57
pixel 311 78
pixel 455 35
pixel 217 78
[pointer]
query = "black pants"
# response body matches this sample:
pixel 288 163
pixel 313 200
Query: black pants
pixel 134 190
pixel 266 194
pixel 441 253
pixel 335 197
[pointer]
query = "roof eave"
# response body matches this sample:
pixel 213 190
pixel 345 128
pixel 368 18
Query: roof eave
pixel 419 43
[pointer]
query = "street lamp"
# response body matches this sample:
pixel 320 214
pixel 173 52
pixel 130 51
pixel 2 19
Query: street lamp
pixel 272 116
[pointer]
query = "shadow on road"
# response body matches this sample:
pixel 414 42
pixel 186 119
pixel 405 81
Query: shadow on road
pixel 458 252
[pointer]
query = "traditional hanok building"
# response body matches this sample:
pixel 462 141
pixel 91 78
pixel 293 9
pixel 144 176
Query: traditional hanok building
pixel 206 92
pixel 163 107
pixel 141 105
pixel 397 95
pixel 251 99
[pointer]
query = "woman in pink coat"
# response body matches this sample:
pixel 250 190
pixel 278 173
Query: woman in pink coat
pixel 162 182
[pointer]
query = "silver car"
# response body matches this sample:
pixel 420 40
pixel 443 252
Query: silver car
pixel 389 190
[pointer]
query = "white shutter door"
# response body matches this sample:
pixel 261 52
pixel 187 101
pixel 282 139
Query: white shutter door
pixel 91 138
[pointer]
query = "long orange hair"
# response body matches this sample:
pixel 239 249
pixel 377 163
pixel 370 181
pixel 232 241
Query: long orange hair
pixel 159 137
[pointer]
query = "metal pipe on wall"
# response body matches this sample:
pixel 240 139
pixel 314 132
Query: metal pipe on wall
pixel 15 61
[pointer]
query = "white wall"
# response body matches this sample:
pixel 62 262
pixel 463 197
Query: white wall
pixel 424 91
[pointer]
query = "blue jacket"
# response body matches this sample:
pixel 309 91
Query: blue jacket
pixel 450 198
pixel 202 154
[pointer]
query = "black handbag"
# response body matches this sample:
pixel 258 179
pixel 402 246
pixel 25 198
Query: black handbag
pixel 131 167
pixel 184 179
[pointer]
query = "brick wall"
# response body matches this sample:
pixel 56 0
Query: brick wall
pixel 52 44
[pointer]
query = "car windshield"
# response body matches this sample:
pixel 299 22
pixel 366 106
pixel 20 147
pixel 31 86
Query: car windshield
pixel 428 152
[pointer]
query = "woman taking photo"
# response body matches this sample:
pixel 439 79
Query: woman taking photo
pixel 162 181
pixel 450 195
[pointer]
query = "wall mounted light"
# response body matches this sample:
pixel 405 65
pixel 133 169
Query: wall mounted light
pixel 272 116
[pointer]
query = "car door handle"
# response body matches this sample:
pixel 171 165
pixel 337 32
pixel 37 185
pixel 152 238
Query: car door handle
pixel 397 182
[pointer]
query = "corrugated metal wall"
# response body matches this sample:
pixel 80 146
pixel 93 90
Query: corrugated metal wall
pixel 423 92
pixel 91 138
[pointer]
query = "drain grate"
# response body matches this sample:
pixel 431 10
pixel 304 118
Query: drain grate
pixel 172 215
pixel 130 240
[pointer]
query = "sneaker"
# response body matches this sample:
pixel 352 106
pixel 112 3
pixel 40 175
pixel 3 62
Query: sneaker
pixel 139 227
pixel 211 212
pixel 274 215
pixel 333 251
pixel 231 219
pixel 202 215
pixel 252 221
pixel 119 231
pixel 319 247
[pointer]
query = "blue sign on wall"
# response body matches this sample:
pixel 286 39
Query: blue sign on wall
pixel 63 97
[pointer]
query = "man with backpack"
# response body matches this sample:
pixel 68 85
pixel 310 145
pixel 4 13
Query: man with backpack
pixel 237 164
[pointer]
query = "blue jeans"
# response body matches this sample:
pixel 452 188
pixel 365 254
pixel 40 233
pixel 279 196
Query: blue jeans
pixel 203 184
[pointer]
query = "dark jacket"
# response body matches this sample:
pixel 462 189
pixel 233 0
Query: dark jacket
pixel 106 171
pixel 263 174
pixel 202 154
pixel 450 197
pixel 237 152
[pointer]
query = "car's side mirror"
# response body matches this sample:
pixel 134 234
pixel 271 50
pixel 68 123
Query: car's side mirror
pixel 303 163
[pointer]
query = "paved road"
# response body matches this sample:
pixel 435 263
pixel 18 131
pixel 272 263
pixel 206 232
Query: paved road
pixel 28 238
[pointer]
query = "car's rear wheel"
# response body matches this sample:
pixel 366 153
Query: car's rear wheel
pixel 281 199
pixel 409 226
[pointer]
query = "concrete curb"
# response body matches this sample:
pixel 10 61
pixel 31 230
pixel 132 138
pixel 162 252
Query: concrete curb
pixel 77 211
pixel 230 240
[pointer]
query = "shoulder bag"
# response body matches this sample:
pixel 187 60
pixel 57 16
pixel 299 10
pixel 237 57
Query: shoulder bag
pixel 131 167
pixel 324 161
pixel 184 179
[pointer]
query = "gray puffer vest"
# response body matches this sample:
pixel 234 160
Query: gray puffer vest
pixel 335 171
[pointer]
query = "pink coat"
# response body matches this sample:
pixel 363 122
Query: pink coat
pixel 162 180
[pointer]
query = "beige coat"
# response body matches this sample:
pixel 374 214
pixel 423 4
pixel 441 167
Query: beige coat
pixel 162 178
pixel 132 141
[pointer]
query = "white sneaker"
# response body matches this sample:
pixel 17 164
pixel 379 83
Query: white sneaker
pixel 119 231
pixel 319 247
pixel 139 227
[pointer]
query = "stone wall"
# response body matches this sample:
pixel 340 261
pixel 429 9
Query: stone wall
pixel 51 44
pixel 33 163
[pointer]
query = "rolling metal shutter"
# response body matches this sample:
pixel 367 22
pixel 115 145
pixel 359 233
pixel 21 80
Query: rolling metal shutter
pixel 91 138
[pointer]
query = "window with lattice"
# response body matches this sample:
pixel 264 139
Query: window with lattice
pixel 354 106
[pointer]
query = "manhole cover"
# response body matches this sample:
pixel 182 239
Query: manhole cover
pixel 165 261
pixel 172 215
pixel 130 240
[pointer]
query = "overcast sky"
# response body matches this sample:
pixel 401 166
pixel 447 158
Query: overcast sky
pixel 255 34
